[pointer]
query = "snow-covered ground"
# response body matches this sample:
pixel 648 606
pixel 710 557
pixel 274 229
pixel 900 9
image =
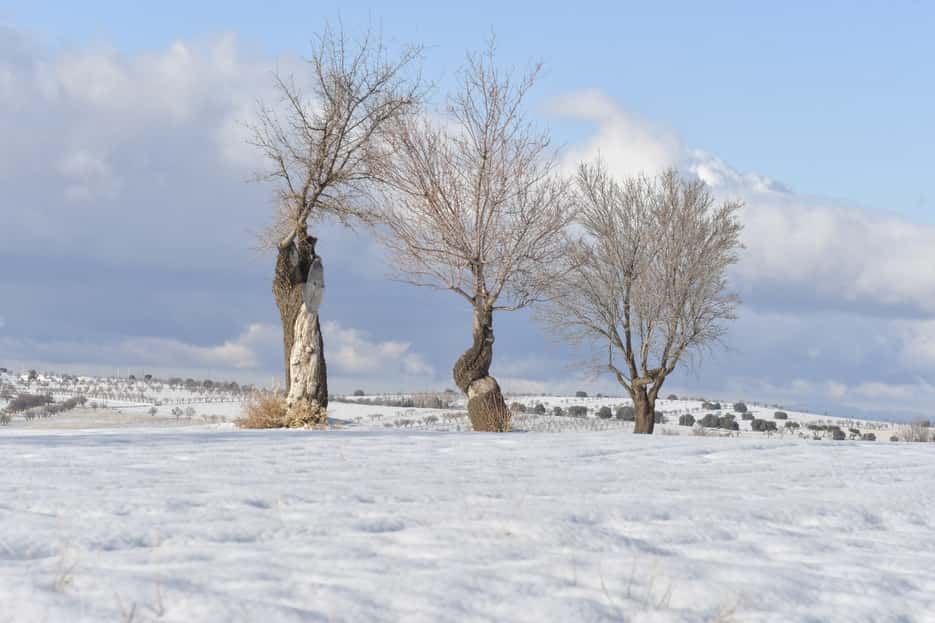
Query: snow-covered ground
pixel 211 523
pixel 399 514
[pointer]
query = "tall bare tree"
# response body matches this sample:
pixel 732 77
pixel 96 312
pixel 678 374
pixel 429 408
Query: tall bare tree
pixel 476 208
pixel 322 146
pixel 646 285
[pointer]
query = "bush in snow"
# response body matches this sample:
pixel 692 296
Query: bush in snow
pixel 271 411
pixel 558 411
pixel 687 420
pixel 672 397
pixel 358 392
pixel 711 406
pixel 539 409
pixel 868 437
pixel 727 423
pixel 791 425
pixel 894 438
pixel 5 418
pixel 838 435
pixel 747 416
pixel 780 415
pixel 627 414
pixel 577 411
pixel 28 401
pixel 581 394
pixel 658 417
pixel 518 407
pixel 740 407
pixel 709 421
pixel 763 426
pixel 604 413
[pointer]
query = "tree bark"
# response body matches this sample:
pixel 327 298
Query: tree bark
pixel 486 407
pixel 298 286
pixel 644 409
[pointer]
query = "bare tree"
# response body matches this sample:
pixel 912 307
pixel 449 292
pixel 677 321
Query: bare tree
pixel 323 148
pixel 646 285
pixel 476 208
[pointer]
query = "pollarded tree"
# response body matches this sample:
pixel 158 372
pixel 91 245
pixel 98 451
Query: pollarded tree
pixel 476 208
pixel 646 285
pixel 323 148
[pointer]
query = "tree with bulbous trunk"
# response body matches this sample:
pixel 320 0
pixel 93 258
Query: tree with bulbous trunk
pixel 476 208
pixel 322 145
pixel 646 282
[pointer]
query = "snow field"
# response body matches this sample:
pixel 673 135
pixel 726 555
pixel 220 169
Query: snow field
pixel 215 524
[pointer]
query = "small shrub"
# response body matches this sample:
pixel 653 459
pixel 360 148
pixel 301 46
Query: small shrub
pixel 271 411
pixel 894 438
pixel 358 392
pixel 868 437
pixel 838 434
pixel 727 423
pixel 711 406
pixel 518 407
pixel 578 411
pixel 746 416
pixel 672 397
pixel 780 415
pixel 28 401
pixel 557 411
pixel 740 407
pixel 687 420
pixel 626 414
pixel 709 421
pixel 658 417
pixel 539 409
pixel 604 413
pixel 792 425
pixel 763 426
pixel 581 394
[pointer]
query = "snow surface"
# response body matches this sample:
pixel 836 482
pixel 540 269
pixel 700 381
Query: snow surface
pixel 382 523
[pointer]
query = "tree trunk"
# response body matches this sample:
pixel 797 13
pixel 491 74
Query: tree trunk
pixel 486 407
pixel 298 287
pixel 644 408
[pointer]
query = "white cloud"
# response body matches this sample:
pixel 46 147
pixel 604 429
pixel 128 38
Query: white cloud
pixel 630 144
pixel 256 351
pixel 835 255
pixel 351 351
pixel 245 352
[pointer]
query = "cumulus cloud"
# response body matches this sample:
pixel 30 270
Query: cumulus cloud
pixel 352 351
pixel 805 249
pixel 244 352
pixel 254 353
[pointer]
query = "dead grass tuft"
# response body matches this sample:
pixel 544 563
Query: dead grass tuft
pixel 272 411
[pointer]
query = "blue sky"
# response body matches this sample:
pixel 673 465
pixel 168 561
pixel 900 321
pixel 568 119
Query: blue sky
pixel 128 222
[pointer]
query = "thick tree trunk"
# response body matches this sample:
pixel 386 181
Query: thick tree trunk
pixel 298 287
pixel 644 408
pixel 486 407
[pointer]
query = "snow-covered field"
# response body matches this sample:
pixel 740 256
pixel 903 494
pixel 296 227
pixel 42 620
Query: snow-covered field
pixel 111 516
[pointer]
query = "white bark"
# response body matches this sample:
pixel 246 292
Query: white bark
pixel 304 360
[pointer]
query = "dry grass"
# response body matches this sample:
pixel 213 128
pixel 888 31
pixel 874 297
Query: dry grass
pixel 488 414
pixel 271 411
